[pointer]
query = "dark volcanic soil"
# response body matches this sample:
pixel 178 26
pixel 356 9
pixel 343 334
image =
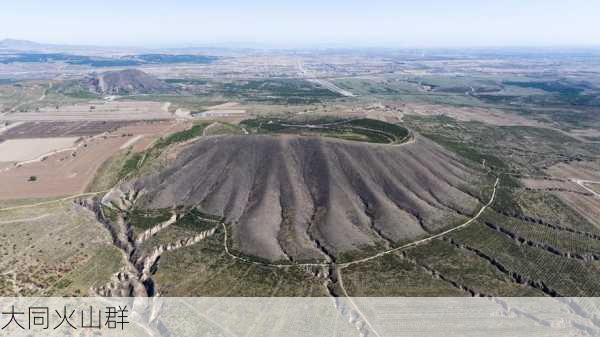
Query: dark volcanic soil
pixel 298 198
pixel 129 81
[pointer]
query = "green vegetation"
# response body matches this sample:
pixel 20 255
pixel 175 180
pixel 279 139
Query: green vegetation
pixel 468 152
pixel 95 272
pixel 515 149
pixel 186 81
pixel 398 132
pixel 542 269
pixel 278 91
pixel 362 130
pixel 197 221
pixel 467 269
pixel 73 89
pixel 573 243
pixel 392 275
pixel 220 128
pixel 210 272
pixel 561 88
pixel 110 214
pixel 546 206
pixel 132 163
pixel 142 220
pixel 169 59
pixel 110 172
pixel 182 136
pixel 530 242
pixel 506 195
pixel 124 61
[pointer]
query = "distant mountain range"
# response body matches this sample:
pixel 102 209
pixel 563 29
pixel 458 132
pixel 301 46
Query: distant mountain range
pixel 22 51
pixel 26 45
pixel 20 44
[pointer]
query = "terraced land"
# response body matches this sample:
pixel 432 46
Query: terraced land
pixel 539 268
pixel 284 203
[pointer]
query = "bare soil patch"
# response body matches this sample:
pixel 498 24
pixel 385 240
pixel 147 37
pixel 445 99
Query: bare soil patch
pixel 61 174
pixel 61 129
pixel 552 184
pixel 97 111
pixel 18 150
pixel 70 172
pixel 55 249
pixel 594 186
pixel 489 116
pixel 578 170
pixel 588 207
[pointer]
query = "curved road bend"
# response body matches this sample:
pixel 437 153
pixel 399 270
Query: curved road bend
pixel 386 252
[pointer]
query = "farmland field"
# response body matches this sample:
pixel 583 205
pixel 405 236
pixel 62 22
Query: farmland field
pixel 314 173
pixel 19 150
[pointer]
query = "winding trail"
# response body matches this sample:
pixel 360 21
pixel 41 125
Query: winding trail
pixel 45 93
pixel 323 82
pixel 583 183
pixel 338 267
pixel 433 237
pixel 410 138
pixel 75 196
pixel 25 220
pixel 372 257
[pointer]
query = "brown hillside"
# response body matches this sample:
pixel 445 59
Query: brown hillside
pixel 291 197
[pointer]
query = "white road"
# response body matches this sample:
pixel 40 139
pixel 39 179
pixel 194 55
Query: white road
pixel 324 83
pixel 25 220
pixel 75 196
pixel 131 142
pixel 378 255
pixel 583 183
pixel 433 237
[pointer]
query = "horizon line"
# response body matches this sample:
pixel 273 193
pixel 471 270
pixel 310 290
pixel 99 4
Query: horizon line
pixel 231 44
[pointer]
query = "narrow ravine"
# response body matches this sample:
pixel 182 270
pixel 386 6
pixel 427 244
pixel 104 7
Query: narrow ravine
pixel 439 275
pixel 513 276
pixel 135 278
pixel 542 222
pixel 521 240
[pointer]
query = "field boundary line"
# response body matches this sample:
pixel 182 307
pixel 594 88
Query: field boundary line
pixel 75 196
pixel 25 220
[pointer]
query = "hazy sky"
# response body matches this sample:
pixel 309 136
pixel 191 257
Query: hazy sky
pixel 392 23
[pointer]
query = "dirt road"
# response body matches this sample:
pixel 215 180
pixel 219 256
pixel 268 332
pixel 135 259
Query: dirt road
pixel 378 255
pixel 71 197
pixel 324 83
pixel 25 220
pixel 582 183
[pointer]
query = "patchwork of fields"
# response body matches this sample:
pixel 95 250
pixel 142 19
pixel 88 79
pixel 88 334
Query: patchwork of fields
pixel 302 175
pixel 59 166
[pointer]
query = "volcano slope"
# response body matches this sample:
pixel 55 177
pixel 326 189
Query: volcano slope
pixel 297 198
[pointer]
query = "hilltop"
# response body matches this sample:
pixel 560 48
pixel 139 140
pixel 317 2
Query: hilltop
pixel 293 197
pixel 126 82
